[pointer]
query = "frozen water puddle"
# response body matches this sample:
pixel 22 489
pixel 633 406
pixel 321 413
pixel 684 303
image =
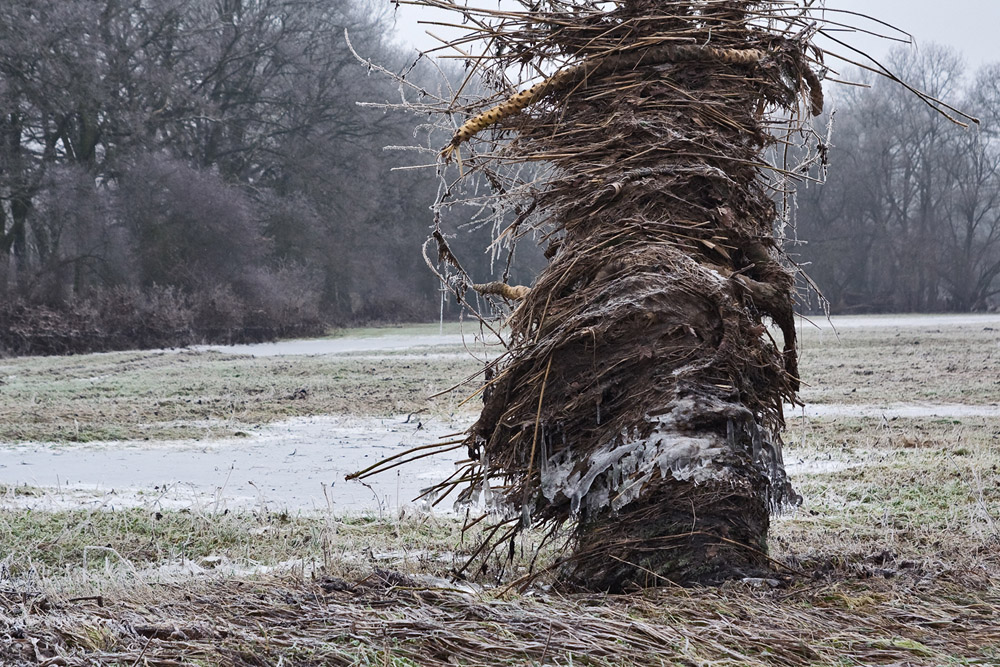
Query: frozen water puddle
pixel 352 346
pixel 421 345
pixel 904 321
pixel 298 464
pixel 894 410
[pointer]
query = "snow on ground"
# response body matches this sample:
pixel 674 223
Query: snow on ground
pixel 390 343
pixel 337 345
pixel 889 411
pixel 298 464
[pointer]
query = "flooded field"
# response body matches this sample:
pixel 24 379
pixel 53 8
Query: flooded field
pixel 164 483
pixel 279 425
pixel 295 464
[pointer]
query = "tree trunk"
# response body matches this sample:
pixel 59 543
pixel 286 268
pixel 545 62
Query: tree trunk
pixel 642 396
pixel 643 417
pixel 685 532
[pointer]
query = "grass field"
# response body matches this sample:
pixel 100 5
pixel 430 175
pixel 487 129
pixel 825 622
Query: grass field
pixel 892 559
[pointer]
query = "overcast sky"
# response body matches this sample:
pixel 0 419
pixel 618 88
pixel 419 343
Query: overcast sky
pixel 971 26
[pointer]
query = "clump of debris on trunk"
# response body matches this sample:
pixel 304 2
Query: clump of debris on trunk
pixel 641 396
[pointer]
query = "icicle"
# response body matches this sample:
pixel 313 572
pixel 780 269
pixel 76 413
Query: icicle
pixel 487 493
pixel 441 316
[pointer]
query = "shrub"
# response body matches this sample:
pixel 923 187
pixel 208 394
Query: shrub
pixel 111 319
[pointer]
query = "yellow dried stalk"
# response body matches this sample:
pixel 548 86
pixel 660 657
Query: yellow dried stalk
pixel 728 56
pixel 815 92
pixel 512 292
pixel 525 98
pixel 509 107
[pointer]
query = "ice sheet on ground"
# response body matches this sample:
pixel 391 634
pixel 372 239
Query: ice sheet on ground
pixel 474 341
pixel 903 321
pixel 464 355
pixel 350 345
pixel 889 411
pixel 284 465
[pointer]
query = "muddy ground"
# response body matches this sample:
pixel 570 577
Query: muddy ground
pixel 188 507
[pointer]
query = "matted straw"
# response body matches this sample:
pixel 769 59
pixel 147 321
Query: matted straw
pixel 641 395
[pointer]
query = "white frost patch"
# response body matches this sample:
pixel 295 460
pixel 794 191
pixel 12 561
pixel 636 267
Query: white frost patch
pixel 94 497
pixel 818 465
pixel 212 566
pixel 464 355
pixel 297 464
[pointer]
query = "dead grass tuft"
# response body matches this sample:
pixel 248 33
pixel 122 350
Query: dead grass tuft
pixel 389 618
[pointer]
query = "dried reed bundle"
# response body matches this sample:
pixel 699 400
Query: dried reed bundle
pixel 642 395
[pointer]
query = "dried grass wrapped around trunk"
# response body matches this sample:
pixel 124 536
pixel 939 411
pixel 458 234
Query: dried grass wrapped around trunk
pixel 643 394
pixel 641 398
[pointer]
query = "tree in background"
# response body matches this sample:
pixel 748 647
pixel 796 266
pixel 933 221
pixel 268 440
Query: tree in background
pixel 909 218
pixel 211 149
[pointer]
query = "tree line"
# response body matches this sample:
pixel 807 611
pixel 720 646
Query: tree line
pixel 188 170
pixel 909 217
pixel 185 170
